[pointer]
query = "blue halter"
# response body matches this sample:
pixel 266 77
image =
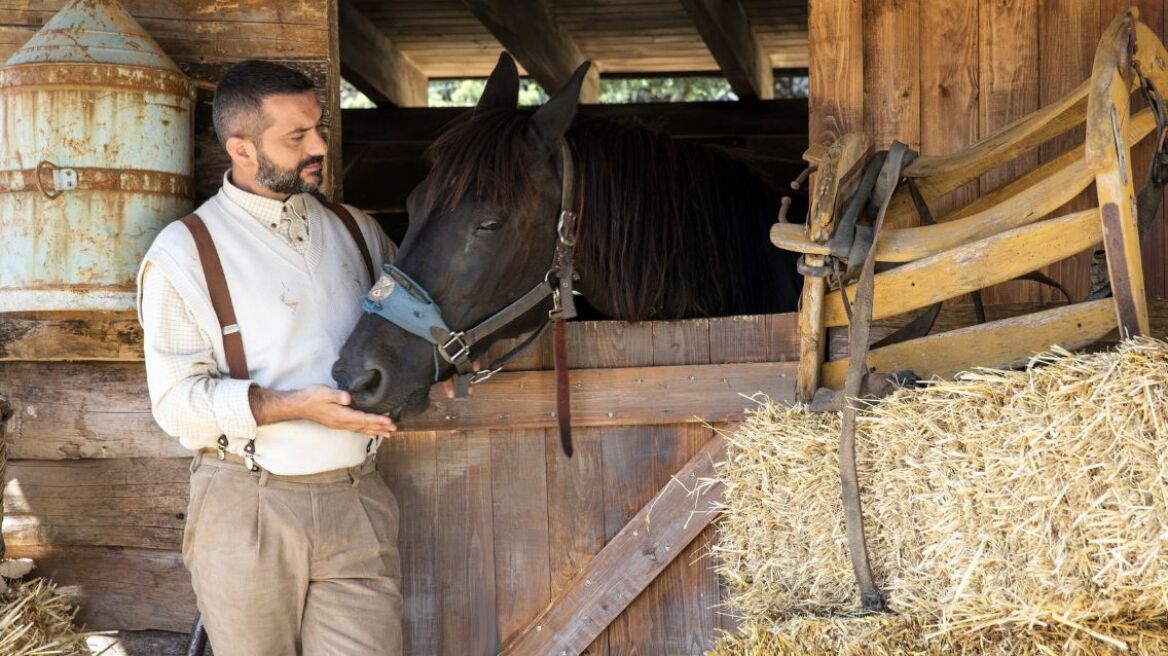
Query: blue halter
pixel 397 298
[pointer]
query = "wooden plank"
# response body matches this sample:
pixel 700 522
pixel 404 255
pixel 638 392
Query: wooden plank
pixel 530 32
pixel 95 410
pixel 738 339
pixel 674 613
pixel 372 62
pixel 123 502
pixel 519 498
pixel 634 557
pixel 119 588
pixel 1067 38
pixel 1008 80
pixel 483 629
pixel 82 410
pixel 1108 115
pixel 949 84
pixel 408 463
pixel 974 266
pixel 1003 343
pixel 575 498
pixel 726 31
pixel 88 338
pixel 395 126
pixel 892 92
pixel 782 337
pixel 836 69
pixel 610 397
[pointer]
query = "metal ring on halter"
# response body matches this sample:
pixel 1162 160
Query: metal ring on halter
pixel 44 163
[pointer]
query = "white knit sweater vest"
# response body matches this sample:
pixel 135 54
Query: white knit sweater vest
pixel 295 312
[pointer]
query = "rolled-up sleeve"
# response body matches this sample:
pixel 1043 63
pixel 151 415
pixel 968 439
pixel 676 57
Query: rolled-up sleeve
pixel 189 397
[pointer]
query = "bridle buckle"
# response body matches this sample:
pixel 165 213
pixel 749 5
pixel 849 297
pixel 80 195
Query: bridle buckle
pixel 456 339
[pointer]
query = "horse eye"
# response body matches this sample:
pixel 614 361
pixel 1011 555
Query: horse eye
pixel 490 225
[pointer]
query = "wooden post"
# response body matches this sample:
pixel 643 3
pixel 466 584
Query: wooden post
pixel 5 414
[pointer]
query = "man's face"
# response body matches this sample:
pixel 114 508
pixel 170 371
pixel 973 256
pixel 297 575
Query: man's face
pixel 290 152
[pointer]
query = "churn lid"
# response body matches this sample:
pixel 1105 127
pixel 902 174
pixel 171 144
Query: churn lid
pixel 93 32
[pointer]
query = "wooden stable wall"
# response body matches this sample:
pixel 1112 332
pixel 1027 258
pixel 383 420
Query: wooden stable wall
pixel 940 75
pixel 204 37
pixel 495 520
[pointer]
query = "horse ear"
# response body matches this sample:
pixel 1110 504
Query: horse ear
pixel 551 121
pixel 502 89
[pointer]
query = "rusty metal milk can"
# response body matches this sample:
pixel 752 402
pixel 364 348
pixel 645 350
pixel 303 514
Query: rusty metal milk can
pixel 95 158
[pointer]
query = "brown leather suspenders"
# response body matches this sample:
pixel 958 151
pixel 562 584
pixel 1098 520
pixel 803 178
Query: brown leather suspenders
pixel 221 295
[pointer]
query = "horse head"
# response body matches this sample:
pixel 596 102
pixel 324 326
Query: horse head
pixel 482 233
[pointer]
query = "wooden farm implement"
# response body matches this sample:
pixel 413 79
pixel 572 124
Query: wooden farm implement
pixel 1005 234
pixel 1002 235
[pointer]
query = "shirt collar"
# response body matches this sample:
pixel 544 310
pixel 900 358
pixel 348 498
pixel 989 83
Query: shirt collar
pixel 265 210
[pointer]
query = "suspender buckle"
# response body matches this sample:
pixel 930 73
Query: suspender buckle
pixel 249 456
pixel 221 446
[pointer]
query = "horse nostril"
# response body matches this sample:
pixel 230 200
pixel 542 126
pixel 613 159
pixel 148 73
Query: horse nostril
pixel 366 381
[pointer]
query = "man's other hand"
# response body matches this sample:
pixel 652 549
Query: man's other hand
pixel 321 404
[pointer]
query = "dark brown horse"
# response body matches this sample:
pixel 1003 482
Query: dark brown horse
pixel 668 229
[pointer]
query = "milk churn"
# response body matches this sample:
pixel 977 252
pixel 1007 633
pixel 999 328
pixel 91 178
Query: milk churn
pixel 95 158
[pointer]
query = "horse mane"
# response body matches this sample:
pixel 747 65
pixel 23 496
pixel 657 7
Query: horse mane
pixel 670 228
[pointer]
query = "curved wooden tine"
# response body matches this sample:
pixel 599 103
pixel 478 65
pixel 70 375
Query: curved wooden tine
pixel 974 266
pixel 1022 201
pixel 1108 154
pixel 1002 343
pixel 939 174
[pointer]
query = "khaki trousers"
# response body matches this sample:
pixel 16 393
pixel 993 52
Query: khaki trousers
pixel 285 565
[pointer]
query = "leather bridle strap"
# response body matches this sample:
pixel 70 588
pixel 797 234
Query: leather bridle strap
pixel 859 325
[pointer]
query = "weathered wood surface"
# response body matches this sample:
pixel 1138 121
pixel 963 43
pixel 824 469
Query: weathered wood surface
pixel 90 410
pixel 635 556
pixel 982 66
pixel 974 266
pixel 90 338
pixel 1005 343
pixel 113 502
pixel 204 37
pixel 119 588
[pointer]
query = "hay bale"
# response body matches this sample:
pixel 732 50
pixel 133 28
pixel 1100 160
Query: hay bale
pixel 898 635
pixel 1002 499
pixel 36 621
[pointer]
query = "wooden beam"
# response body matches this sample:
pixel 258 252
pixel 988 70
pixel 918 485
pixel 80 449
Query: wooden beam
pixel 529 31
pixel 102 410
pixel 89 338
pixel 120 588
pixel 730 39
pixel 375 65
pixel 628 563
pixel 690 120
pixel 1003 343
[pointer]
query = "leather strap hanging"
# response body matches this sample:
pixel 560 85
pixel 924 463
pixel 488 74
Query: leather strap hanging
pixel 859 323
pixel 220 296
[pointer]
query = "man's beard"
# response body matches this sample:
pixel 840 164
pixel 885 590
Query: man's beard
pixel 285 181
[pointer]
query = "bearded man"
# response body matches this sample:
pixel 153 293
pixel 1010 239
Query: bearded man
pixel 291 536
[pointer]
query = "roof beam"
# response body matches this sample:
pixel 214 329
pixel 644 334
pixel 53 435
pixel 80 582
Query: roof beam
pixel 726 30
pixel 373 64
pixel 529 31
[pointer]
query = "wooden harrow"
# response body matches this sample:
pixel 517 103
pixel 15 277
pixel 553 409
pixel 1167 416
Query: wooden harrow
pixel 998 237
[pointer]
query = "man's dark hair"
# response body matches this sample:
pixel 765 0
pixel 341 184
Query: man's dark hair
pixel 238 105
